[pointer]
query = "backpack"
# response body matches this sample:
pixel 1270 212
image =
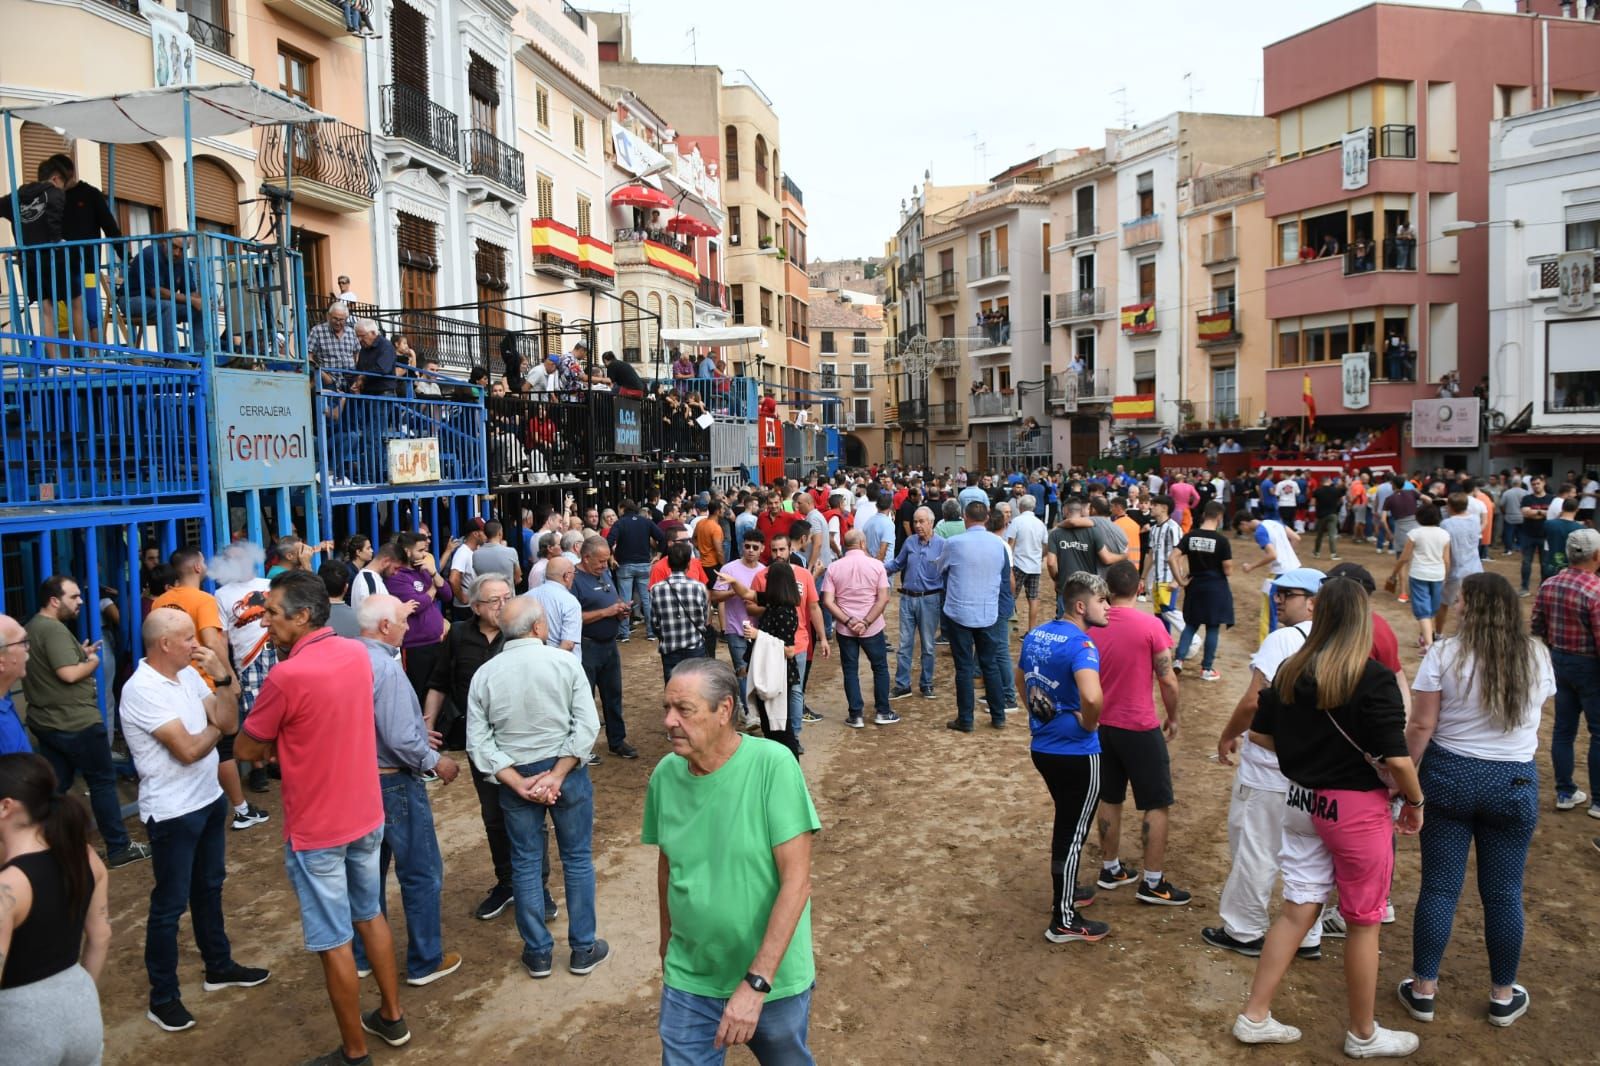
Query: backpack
pixel 41 208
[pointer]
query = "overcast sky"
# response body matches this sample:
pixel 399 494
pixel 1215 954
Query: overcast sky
pixel 872 93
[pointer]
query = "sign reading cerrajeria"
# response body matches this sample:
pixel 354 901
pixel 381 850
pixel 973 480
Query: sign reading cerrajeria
pixel 263 430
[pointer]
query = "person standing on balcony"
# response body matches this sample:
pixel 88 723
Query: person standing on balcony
pixel 1405 240
pixel 375 362
pixel 86 217
pixel 332 344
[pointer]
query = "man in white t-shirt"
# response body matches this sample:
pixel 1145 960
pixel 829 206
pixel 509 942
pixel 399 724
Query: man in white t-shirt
pixel 1276 541
pixel 372 577
pixel 1256 811
pixel 462 572
pixel 1026 536
pixel 1288 493
pixel 172 722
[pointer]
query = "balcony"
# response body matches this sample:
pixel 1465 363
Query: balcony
pixel 992 405
pixel 712 293
pixel 1080 303
pixel 1080 228
pixel 1220 413
pixel 793 190
pixel 913 412
pixel 946 415
pixel 986 267
pixel 1071 388
pixel 1392 142
pixel 656 250
pixel 989 338
pixel 1397 255
pixel 940 287
pixel 331 165
pixel 1141 231
pixel 411 116
pixel 324 16
pixel 577 17
pixel 489 157
pixel 1220 246
pixel 1139 318
pixel 363 432
pixel 210 35
pixel 555 249
pixel 1218 326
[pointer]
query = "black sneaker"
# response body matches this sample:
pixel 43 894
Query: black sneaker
pixel 584 962
pixel 593 759
pixel 1116 877
pixel 1503 1014
pixel 808 715
pixel 1162 894
pixel 928 694
pixel 252 815
pixel 1080 929
pixel 235 976
pixel 1218 937
pixel 899 694
pixel 498 899
pixel 393 1033
pixel 336 1057
pixel 1309 952
pixel 258 780
pixel 172 1016
pixel 538 966
pixel 855 721
pixel 625 751
pixel 552 910
pixel 1421 1007
pixel 134 852
pixel 958 725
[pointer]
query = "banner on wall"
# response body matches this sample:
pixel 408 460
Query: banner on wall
pixel 413 460
pixel 1356 147
pixel 263 430
pixel 170 45
pixel 1576 282
pixel 1356 375
pixel 1445 423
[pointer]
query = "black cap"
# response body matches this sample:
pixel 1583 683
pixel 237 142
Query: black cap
pixel 1354 572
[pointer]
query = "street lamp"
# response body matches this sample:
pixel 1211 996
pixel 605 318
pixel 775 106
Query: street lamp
pixel 1453 229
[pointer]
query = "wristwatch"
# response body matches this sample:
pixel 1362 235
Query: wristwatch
pixel 757 982
pixel 224 683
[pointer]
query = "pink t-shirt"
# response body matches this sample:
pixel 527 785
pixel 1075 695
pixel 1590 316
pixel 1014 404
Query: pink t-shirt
pixel 1129 644
pixel 316 705
pixel 1184 498
pixel 854 581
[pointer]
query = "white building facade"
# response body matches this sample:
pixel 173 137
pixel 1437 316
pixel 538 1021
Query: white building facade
pixel 1149 266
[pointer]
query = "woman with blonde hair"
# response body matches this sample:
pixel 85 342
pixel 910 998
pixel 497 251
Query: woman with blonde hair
pixel 1336 719
pixel 1474 731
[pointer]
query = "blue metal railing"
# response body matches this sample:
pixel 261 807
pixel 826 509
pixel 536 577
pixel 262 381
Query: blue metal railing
pixel 730 397
pixel 96 428
pixel 356 428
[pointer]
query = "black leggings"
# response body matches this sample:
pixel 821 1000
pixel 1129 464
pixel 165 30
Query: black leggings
pixel 1074 784
pixel 785 737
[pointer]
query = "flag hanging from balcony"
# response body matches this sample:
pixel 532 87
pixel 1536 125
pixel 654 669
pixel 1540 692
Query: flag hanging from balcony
pixel 1139 318
pixel 671 260
pixel 1140 408
pixel 1309 400
pixel 551 238
pixel 1215 326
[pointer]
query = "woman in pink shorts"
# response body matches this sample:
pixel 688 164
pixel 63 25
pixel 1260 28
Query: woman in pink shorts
pixel 1331 713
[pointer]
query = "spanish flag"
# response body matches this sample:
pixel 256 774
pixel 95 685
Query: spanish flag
pixel 1309 400
pixel 1139 408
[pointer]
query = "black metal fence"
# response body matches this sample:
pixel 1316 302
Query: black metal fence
pixel 408 113
pixel 336 154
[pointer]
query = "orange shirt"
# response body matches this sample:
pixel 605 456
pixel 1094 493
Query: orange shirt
pixel 1356 494
pixel 659 571
pixel 201 607
pixel 1488 514
pixel 708 541
pixel 1130 529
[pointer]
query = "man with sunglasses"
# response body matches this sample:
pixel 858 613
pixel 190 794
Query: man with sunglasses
pixel 13 664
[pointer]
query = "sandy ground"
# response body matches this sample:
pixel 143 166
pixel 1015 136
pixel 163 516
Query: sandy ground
pixel 931 889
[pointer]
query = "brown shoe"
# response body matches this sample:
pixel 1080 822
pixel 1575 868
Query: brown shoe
pixel 447 966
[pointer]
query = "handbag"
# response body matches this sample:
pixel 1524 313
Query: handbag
pixel 1385 775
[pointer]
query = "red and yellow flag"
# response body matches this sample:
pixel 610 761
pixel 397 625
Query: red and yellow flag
pixel 1309 400
pixel 1140 408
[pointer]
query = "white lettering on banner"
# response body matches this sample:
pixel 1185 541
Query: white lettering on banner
pixel 263 430
pixel 413 460
pixel 1445 423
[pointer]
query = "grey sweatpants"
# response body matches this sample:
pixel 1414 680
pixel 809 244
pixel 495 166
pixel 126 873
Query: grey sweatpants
pixel 53 1022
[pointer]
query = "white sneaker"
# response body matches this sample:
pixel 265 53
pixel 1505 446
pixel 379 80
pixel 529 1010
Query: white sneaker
pixel 1567 803
pixel 1333 926
pixel 1267 1031
pixel 1382 1044
pixel 1388 913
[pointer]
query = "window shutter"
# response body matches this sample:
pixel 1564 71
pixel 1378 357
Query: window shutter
pixel 216 194
pixel 408 33
pixel 38 144
pixel 140 175
pixel 541 106
pixel 547 194
pixel 585 216
pixel 483 81
pixel 490 264
pixel 418 243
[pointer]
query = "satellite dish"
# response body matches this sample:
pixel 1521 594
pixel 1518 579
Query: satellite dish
pixel 1472 5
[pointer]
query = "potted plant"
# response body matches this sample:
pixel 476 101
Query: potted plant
pixel 766 242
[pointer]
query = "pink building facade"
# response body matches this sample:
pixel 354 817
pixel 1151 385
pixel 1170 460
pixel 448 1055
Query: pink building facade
pixel 1368 255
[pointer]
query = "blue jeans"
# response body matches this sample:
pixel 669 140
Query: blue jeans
pixel 88 752
pixel 1577 696
pixel 409 840
pixel 797 693
pixel 1000 633
pixel 1495 806
pixel 573 816
pixel 187 862
pixel 827 615
pixel 1212 635
pixel 671 659
pixel 1513 535
pixel 634 578
pixel 739 652
pixel 919 624
pixel 602 662
pixel 877 649
pixel 973 649
pixel 688 1027
pixel 163 315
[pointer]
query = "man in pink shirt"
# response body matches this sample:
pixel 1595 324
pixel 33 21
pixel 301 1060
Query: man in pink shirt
pixel 1134 649
pixel 856 595
pixel 1185 498
pixel 314 717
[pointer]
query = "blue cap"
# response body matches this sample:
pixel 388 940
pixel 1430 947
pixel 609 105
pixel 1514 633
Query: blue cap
pixel 1303 578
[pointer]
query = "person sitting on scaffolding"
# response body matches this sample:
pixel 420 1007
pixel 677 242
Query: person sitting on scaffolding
pixel 162 289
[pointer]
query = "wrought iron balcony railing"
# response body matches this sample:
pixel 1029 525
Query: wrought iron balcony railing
pixel 409 114
pixel 336 154
pixel 487 155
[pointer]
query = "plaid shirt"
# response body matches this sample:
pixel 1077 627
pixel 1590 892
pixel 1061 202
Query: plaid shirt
pixel 679 607
pixel 252 673
pixel 333 351
pixel 1567 612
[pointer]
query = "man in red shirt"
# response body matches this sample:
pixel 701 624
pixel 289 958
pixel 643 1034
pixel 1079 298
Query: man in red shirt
pixel 773 522
pixel 314 717
pixel 659 570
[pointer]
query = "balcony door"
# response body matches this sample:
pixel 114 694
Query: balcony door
pixel 483 87
pixel 295 70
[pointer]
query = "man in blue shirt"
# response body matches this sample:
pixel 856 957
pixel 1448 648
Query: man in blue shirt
pixel 917 563
pixel 161 289
pixel 1269 495
pixel 13 664
pixel 1058 675
pixel 631 538
pixel 975 493
pixel 879 529
pixel 971 567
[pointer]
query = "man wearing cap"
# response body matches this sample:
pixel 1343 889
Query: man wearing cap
pixel 565 372
pixel 1566 615
pixel 1276 542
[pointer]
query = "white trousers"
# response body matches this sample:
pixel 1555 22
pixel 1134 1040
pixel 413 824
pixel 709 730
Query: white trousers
pixel 1255 834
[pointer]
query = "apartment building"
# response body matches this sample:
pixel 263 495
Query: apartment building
pixel 796 321
pixel 1544 265
pixel 1150 164
pixel 1382 159
pixel 850 350
pixel 1227 247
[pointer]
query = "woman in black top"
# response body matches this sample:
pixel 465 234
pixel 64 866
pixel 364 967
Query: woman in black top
pixel 1334 716
pixel 779 604
pixel 54 929
pixel 1204 560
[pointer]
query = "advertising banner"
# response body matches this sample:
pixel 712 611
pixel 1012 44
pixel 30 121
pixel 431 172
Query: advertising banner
pixel 263 430
pixel 413 460
pixel 1356 147
pixel 1443 423
pixel 1357 378
pixel 629 441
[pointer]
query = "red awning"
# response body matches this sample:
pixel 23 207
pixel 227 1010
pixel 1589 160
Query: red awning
pixel 690 226
pixel 641 196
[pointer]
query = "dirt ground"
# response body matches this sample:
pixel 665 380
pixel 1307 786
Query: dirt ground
pixel 931 895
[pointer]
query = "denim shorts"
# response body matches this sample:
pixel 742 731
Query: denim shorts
pixel 1426 598
pixel 337 887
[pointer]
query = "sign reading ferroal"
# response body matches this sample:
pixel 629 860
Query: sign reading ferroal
pixel 263 430
pixel 629 441
pixel 413 460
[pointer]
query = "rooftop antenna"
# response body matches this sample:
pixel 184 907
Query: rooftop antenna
pixel 694 46
pixel 980 156
pixel 1123 114
pixel 1188 81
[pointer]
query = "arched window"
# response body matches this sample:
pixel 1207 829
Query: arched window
pixel 630 326
pixel 652 324
pixel 730 154
pixel 777 176
pixel 672 312
pixel 761 161
pixel 216 195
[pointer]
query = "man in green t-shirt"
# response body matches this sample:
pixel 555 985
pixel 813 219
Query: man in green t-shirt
pixel 64 713
pixel 733 820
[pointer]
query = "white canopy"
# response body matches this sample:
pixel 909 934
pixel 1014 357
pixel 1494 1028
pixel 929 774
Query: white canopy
pixel 157 114
pixel 714 336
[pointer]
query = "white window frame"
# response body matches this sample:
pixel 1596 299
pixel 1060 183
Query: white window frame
pixel 857 372
pixel 828 373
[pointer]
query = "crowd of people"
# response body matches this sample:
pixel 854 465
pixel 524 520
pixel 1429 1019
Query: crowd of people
pixel 357 685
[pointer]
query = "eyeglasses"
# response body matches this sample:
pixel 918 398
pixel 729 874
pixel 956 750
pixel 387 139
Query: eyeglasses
pixel 495 601
pixel 1289 594
pixel 23 643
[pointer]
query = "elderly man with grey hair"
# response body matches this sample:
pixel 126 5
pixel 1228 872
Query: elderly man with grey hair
pixel 404 755
pixel 603 611
pixel 917 563
pixel 332 344
pixel 1026 535
pixel 530 724
pixel 733 820
pixel 549 547
pixel 572 544
pixel 376 360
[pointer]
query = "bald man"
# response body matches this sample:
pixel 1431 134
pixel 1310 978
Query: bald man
pixel 856 595
pixel 13 664
pixel 563 614
pixel 172 720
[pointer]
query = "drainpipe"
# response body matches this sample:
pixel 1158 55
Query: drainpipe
pixel 1544 65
